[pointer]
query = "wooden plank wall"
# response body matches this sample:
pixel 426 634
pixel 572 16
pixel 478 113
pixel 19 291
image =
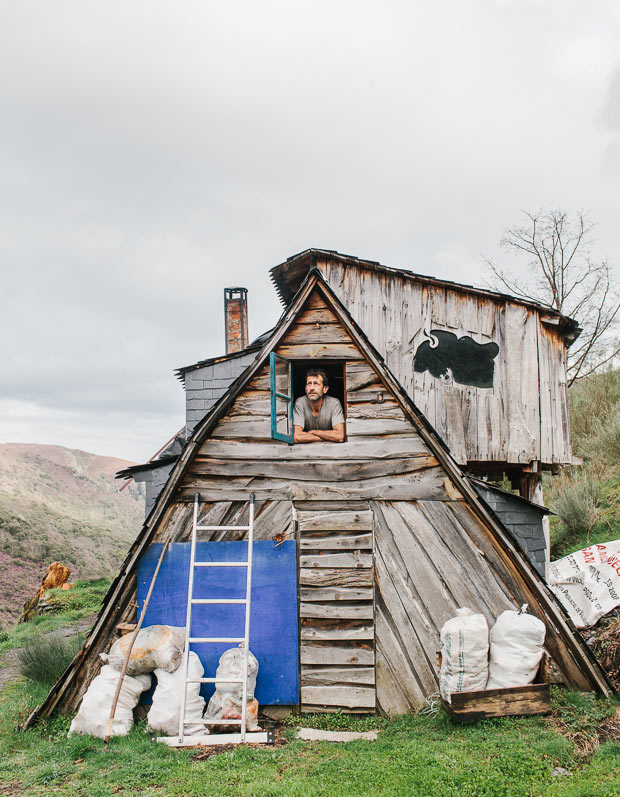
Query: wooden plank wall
pixel 336 607
pixel 502 424
pixel 427 566
pixel 383 456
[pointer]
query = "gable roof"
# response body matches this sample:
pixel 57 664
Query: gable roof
pixel 289 275
pixel 580 655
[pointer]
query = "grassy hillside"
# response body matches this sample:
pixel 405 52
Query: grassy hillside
pixel 60 504
pixel 587 499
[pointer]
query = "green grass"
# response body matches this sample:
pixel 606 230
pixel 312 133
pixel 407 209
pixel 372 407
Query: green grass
pixel 71 606
pixel 414 755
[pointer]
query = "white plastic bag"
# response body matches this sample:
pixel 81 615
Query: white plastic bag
pixel 516 650
pixel 227 700
pixel 156 647
pixel 587 582
pixel 94 713
pixel 464 642
pixel 164 713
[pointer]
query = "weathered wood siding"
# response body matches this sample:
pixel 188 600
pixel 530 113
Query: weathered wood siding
pixel 500 424
pixel 383 456
pixel 336 607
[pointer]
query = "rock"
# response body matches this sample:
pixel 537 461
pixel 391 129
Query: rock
pixel 560 771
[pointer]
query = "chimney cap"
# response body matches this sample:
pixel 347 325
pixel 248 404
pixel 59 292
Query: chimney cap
pixel 235 293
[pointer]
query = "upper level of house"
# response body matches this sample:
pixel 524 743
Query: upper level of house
pixel 487 370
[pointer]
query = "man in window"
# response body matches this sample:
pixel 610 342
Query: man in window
pixel 317 417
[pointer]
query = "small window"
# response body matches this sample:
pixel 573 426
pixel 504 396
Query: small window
pixel 335 373
pixel 281 374
pixel 287 381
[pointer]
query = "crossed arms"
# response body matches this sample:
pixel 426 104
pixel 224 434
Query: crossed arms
pixel 335 435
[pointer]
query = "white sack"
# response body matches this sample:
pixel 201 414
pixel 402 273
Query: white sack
pixel 516 650
pixel 587 582
pixel 464 641
pixel 94 713
pixel 227 700
pixel 164 713
pixel 156 646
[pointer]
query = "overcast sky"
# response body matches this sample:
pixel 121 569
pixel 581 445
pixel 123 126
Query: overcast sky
pixel 153 153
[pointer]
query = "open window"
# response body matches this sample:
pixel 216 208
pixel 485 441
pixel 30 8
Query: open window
pixel 281 376
pixel 288 382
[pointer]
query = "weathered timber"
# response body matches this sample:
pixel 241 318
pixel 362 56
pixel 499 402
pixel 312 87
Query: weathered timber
pixel 338 610
pixel 427 484
pixel 326 520
pixel 322 577
pixel 330 654
pixel 335 633
pixel 399 689
pixel 346 696
pixel 331 542
pixel 313 334
pixel 332 676
pixel 378 426
pixel 375 393
pixel 361 375
pixel 375 411
pixel 323 316
pixel 335 594
pixel 346 560
pixel 447 551
pixel 516 701
pixel 358 449
pixel 325 351
pixel 332 506
pixel 322 470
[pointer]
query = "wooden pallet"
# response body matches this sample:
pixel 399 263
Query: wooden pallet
pixel 516 701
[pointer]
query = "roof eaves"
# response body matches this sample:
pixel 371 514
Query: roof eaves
pixel 494 488
pixel 180 372
pixel 311 255
pixel 128 473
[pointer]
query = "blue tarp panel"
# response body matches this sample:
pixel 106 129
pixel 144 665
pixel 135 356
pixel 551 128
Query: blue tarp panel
pixel 273 617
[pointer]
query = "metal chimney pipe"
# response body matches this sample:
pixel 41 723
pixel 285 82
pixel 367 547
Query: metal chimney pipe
pixel 236 319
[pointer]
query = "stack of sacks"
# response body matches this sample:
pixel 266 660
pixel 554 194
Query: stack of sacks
pixel 227 700
pixel 155 647
pixel 464 641
pixel 94 713
pixel 164 713
pixel 517 641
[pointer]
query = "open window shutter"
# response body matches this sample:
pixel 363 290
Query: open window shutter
pixel 281 375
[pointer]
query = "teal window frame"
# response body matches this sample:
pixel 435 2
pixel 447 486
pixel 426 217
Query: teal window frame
pixel 285 438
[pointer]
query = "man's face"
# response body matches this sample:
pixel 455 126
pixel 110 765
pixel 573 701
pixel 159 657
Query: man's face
pixel 315 389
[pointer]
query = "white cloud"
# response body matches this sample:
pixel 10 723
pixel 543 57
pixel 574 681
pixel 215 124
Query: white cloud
pixel 154 153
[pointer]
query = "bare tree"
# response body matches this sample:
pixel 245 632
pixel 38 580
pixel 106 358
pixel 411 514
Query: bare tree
pixel 561 273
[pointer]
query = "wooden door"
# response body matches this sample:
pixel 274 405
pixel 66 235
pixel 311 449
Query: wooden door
pixel 336 607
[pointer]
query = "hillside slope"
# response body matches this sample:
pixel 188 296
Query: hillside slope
pixel 60 504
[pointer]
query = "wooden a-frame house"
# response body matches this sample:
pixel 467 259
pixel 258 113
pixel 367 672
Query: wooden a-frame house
pixel 391 537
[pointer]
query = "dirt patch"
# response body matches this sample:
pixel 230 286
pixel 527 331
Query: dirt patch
pixel 15 787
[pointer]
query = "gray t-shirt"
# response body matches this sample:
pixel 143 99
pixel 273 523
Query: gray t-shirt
pixel 331 413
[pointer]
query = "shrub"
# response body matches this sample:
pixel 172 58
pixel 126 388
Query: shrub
pixel 606 441
pixel 576 504
pixel 44 658
pixel 592 401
